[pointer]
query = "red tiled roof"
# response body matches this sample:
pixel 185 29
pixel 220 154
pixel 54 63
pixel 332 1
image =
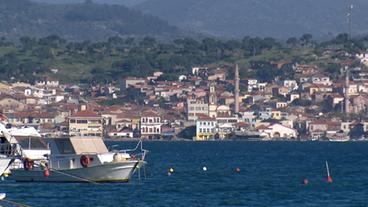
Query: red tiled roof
pixel 150 113
pixel 203 117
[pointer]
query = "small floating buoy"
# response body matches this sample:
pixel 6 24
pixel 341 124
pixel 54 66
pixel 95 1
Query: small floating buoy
pixel 329 177
pixel 305 181
pixel 170 171
pixel 237 170
pixel 204 168
pixel 2 196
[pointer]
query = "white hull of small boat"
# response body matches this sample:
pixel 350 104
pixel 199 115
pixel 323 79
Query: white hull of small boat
pixel 2 196
pixel 4 164
pixel 110 172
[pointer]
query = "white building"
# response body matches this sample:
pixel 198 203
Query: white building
pixel 254 85
pixel 275 131
pixel 363 58
pixel 150 124
pixel 321 80
pixel 206 128
pixel 291 84
pixel 198 70
pixel 293 97
pixel 48 82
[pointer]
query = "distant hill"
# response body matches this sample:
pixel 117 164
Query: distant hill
pixel 83 21
pixel 276 18
pixel 122 2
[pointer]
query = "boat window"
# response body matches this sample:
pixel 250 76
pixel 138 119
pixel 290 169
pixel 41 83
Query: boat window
pixel 64 146
pixel 31 143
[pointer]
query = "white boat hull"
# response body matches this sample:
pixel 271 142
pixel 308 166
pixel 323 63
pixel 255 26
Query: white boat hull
pixel 111 172
pixel 4 164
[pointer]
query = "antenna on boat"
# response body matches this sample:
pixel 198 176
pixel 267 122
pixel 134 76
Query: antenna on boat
pixel 329 178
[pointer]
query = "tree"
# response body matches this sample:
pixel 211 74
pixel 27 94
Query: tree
pixel 357 131
pixel 306 38
pixel 293 41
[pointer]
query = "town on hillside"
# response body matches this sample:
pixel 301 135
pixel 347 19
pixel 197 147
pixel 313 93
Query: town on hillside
pixel 207 104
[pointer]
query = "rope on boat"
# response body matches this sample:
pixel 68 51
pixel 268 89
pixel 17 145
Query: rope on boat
pixel 15 203
pixel 73 176
pixel 70 175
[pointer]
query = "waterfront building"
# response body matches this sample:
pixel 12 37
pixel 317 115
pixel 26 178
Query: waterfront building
pixel 150 124
pixel 206 128
pixel 275 131
pixel 85 123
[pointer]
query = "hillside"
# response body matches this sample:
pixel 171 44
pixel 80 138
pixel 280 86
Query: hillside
pixel 84 21
pixel 122 2
pixel 280 19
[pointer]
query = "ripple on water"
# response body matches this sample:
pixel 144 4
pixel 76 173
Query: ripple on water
pixel 271 175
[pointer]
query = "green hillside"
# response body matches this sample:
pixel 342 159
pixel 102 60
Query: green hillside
pixel 120 57
pixel 84 21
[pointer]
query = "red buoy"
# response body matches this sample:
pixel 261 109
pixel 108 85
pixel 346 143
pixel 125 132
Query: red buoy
pixel 329 179
pixel 305 181
pixel 46 172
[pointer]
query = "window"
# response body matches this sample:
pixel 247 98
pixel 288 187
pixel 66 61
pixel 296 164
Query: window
pixel 72 120
pixel 82 121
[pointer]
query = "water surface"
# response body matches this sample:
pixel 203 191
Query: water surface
pixel 271 175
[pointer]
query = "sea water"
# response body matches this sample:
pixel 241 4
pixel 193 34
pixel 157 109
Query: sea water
pixel 271 174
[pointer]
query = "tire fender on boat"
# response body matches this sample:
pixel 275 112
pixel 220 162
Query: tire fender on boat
pixel 85 160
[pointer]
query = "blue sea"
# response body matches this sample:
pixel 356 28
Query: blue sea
pixel 271 174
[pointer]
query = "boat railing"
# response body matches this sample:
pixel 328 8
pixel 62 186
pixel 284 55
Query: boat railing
pixel 10 150
pixel 138 152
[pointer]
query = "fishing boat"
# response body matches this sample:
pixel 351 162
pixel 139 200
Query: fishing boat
pixel 10 150
pixel 81 159
pixel 246 134
pixel 338 137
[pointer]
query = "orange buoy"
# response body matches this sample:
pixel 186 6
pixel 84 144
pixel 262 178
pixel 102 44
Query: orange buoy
pixel 305 181
pixel 46 172
pixel 237 170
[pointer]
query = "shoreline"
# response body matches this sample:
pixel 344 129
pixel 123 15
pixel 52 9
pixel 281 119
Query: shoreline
pixel 226 140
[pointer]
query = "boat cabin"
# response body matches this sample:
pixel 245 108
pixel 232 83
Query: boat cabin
pixel 78 146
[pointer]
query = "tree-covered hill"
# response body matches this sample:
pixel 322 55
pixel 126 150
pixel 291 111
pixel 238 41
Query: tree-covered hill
pixel 121 57
pixel 84 21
